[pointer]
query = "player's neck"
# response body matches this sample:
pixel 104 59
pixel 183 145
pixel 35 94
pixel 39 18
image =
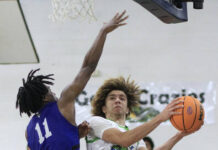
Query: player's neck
pixel 119 119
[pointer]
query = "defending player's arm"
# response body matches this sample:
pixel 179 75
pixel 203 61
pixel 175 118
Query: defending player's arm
pixel 127 138
pixel 172 141
pixel 90 62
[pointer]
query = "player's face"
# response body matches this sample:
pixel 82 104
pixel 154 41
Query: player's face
pixel 116 103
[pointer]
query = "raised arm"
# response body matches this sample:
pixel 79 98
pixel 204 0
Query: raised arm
pixel 90 62
pixel 172 141
pixel 127 138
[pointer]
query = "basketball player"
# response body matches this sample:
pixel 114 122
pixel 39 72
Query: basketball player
pixel 111 105
pixel 149 143
pixel 53 125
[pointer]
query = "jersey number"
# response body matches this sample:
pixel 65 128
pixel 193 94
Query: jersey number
pixel 39 132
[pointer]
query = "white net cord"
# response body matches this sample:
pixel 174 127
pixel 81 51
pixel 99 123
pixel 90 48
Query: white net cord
pixel 72 9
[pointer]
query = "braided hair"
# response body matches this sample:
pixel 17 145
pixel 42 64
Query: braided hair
pixel 31 95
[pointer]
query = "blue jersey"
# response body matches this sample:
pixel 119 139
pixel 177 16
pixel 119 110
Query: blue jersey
pixel 49 130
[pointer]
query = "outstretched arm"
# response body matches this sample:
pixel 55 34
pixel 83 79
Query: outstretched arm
pixel 127 138
pixel 172 141
pixel 89 64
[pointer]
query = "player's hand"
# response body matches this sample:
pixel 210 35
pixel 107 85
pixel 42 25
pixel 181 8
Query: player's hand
pixel 171 109
pixel 115 22
pixel 84 129
pixel 184 133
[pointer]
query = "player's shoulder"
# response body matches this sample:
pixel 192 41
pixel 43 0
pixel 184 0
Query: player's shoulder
pixel 50 105
pixel 96 118
pixel 47 110
pixel 100 121
pixel 32 123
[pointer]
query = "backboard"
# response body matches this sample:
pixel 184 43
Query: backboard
pixel 165 11
pixel 16 45
pixel 170 11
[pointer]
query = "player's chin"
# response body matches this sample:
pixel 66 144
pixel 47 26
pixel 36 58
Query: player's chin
pixel 118 111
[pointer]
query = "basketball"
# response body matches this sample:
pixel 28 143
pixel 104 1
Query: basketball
pixel 192 116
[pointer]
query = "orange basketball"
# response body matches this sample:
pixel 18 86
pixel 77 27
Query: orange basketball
pixel 192 116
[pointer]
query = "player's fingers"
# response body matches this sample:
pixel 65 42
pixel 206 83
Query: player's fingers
pixel 123 19
pixel 174 103
pixel 117 14
pixel 177 107
pixel 121 24
pixel 121 15
pixel 176 113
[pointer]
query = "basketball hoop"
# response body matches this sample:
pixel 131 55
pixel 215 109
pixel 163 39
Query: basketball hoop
pixel 72 9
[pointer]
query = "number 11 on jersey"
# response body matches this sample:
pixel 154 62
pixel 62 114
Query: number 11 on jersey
pixel 39 132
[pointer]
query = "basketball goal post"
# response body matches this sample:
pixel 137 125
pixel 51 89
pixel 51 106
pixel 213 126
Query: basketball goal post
pixel 168 11
pixel 72 9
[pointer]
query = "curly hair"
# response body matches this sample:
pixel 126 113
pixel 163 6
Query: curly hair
pixel 30 96
pixel 128 87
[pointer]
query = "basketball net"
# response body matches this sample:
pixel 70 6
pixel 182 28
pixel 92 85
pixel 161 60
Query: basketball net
pixel 72 9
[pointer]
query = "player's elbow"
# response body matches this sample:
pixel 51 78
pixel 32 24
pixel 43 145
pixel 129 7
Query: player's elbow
pixel 122 144
pixel 125 145
pixel 89 64
pixel 117 137
pixel 90 68
pixel 125 142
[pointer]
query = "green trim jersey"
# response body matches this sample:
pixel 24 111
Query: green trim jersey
pixel 94 138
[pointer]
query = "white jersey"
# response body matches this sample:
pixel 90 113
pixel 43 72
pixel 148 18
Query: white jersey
pixel 94 138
